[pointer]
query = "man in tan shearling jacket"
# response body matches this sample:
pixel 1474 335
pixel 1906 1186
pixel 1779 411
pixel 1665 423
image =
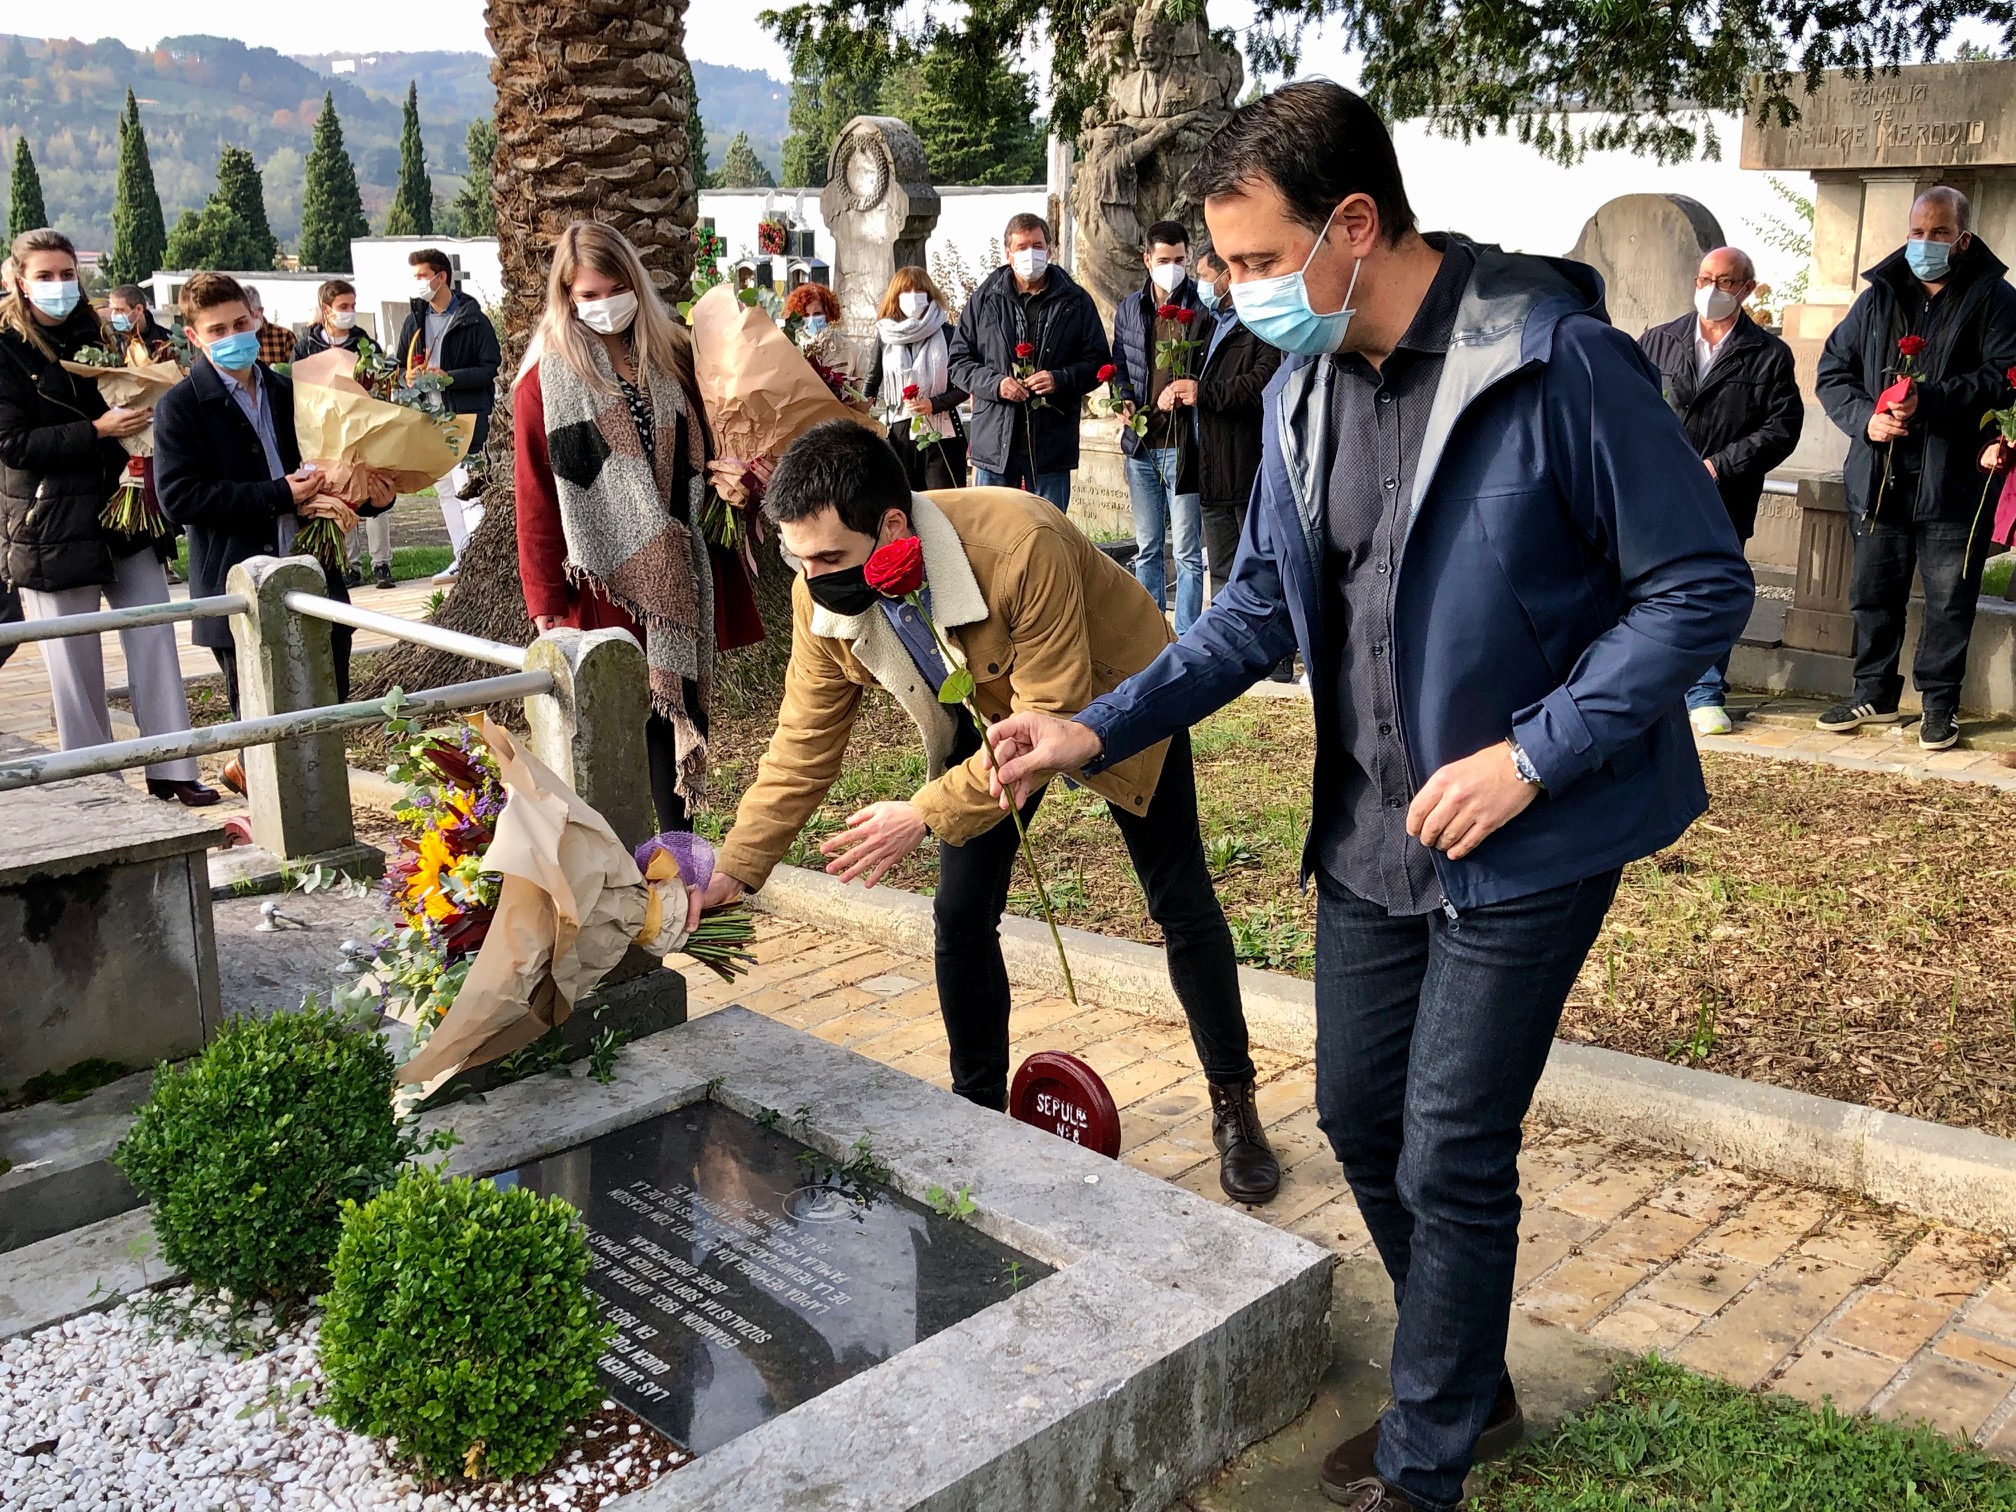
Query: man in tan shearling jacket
pixel 1044 621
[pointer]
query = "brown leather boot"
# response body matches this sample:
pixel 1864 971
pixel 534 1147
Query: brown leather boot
pixel 1247 1169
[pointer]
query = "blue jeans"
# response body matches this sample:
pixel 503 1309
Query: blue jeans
pixel 1151 485
pixel 1431 1034
pixel 1054 486
pixel 1711 690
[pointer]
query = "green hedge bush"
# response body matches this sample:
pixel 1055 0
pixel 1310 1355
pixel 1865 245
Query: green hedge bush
pixel 458 1322
pixel 249 1151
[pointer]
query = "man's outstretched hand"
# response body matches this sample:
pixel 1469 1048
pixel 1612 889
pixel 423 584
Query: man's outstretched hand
pixel 1032 748
pixel 721 891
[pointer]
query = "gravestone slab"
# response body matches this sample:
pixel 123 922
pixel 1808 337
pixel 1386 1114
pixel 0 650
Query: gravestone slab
pixel 1931 116
pixel 106 942
pixel 746 1276
pixel 1648 247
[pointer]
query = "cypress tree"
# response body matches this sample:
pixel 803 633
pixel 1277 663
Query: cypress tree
pixel 412 212
pixel 741 168
pixel 332 211
pixel 188 249
pixel 25 210
pixel 696 133
pixel 231 235
pixel 474 210
pixel 139 231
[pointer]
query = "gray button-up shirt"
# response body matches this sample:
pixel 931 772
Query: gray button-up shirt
pixel 1378 419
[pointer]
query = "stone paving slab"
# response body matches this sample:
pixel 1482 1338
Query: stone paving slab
pixel 1761 1282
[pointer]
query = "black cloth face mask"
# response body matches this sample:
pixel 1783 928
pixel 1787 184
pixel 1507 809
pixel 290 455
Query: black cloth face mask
pixel 844 591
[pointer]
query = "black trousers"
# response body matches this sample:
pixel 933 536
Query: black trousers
pixel 1879 594
pixel 340 637
pixel 935 464
pixel 661 754
pixel 1223 525
pixel 1168 856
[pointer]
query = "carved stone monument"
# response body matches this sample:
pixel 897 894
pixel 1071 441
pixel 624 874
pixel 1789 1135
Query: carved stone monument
pixel 1172 85
pixel 880 207
pixel 1648 247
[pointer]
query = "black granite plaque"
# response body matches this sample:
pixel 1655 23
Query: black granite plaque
pixel 746 1274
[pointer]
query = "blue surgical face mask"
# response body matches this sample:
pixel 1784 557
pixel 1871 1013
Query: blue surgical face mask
pixel 1277 310
pixel 814 324
pixel 122 322
pixel 1929 260
pixel 54 299
pixel 235 352
pixel 1209 297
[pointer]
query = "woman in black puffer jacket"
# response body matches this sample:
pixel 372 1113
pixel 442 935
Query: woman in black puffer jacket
pixel 60 461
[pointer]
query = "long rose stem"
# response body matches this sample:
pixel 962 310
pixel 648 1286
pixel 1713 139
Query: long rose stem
pixel 1014 810
pixel 1986 483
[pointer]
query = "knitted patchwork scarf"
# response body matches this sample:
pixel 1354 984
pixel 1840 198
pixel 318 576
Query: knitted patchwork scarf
pixel 627 533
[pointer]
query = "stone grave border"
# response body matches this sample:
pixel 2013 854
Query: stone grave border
pixel 1174 1333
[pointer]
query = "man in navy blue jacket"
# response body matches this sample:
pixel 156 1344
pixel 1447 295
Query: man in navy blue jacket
pixel 1505 566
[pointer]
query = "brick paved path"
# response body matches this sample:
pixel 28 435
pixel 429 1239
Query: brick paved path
pixel 1761 1283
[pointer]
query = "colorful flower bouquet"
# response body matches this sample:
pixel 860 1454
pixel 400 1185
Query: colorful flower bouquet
pixel 510 899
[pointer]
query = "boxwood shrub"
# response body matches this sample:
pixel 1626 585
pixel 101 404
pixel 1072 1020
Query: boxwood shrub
pixel 248 1151
pixel 457 1322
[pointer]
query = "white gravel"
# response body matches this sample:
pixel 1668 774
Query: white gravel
pixel 141 1420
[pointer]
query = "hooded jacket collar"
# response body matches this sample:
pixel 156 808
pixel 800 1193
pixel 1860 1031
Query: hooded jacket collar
pixel 955 591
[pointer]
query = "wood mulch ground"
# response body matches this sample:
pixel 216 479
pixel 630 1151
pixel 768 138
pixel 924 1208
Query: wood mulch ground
pixel 1843 933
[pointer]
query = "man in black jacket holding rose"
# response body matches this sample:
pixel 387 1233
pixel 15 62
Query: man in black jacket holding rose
pixel 1731 383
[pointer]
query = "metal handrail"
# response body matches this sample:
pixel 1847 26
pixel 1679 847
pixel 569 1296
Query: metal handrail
pixel 474 647
pixel 105 620
pixel 87 761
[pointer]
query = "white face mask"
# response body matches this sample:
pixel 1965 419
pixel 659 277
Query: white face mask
pixel 1168 277
pixel 1715 304
pixel 914 303
pixel 1030 262
pixel 342 320
pixel 423 288
pixel 607 316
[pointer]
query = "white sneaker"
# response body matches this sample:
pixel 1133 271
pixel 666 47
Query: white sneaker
pixel 447 575
pixel 1710 719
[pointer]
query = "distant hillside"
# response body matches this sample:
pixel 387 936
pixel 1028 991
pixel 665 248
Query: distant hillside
pixel 197 96
pixel 200 94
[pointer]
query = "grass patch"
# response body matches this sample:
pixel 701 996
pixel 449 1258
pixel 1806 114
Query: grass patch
pixel 1995 577
pixel 1843 933
pixel 408 562
pixel 72 1085
pixel 1673 1441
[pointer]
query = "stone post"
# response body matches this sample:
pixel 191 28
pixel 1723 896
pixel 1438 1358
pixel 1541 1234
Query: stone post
pixel 299 788
pixel 1818 619
pixel 879 205
pixel 590 728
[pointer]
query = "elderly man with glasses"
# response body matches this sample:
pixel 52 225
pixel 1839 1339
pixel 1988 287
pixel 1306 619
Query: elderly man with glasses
pixel 1731 383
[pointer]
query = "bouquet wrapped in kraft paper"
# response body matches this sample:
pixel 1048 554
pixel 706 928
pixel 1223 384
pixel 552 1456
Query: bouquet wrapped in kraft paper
pixel 760 395
pixel 135 385
pixel 340 423
pixel 573 900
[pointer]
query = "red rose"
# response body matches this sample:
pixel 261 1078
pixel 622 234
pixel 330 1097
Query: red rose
pixel 1024 349
pixel 2011 376
pixel 1168 311
pixel 1182 316
pixel 1910 346
pixel 1106 373
pixel 909 391
pixel 897 570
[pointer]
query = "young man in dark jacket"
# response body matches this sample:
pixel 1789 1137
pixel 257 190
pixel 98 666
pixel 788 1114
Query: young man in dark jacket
pixel 1913 490
pixel 446 331
pixel 1162 457
pixel 1465 465
pixel 1731 383
pixel 229 467
pixel 1226 394
pixel 1028 349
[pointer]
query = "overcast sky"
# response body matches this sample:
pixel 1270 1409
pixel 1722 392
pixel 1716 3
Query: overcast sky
pixel 716 32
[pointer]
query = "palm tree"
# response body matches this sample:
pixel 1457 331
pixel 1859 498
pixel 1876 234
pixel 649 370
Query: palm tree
pixel 603 139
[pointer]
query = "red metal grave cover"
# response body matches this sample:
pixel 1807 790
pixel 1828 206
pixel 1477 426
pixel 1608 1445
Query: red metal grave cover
pixel 1061 1094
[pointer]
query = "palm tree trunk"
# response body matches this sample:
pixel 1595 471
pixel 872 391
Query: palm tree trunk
pixel 591 124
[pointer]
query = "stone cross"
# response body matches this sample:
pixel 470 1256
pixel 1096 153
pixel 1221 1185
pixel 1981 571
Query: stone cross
pixel 880 207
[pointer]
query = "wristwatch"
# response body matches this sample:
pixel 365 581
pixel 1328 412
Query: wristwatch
pixel 1523 765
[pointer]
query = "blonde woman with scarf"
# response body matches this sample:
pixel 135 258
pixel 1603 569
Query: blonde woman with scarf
pixel 912 350
pixel 611 460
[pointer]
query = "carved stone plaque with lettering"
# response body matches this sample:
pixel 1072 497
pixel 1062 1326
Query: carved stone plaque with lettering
pixel 745 1274
pixel 1935 115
